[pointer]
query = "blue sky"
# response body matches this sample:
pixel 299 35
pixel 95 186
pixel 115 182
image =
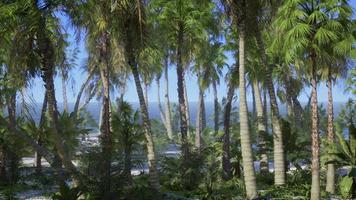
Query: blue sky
pixel 36 92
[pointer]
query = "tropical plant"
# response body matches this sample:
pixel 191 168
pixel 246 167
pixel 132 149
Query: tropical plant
pixel 310 28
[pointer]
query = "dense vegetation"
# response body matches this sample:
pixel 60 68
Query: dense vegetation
pixel 280 49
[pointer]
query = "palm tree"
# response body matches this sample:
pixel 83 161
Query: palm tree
pixel 255 73
pixel 97 20
pixel 226 164
pixel 184 22
pixel 38 156
pixel 336 64
pixel 167 103
pixel 310 28
pixel 133 34
pixel 213 59
pixel 278 151
pixel 247 158
pixel 240 17
pixel 81 91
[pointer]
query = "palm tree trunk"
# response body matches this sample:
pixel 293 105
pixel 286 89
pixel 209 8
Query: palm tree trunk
pixel 80 93
pixel 330 175
pixel 38 156
pixel 203 114
pixel 64 90
pixel 253 102
pixel 278 149
pixel 127 158
pixel 145 88
pixel 261 129
pixel 153 172
pixel 23 101
pixel 187 111
pixel 297 109
pixel 265 104
pixel 3 176
pixel 47 62
pixel 105 132
pixel 226 164
pixel 315 188
pixel 167 102
pixel 160 108
pixel 181 96
pixel 199 120
pixel 216 109
pixel 10 155
pixel 246 149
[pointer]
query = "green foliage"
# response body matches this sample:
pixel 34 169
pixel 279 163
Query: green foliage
pixel 344 154
pixel 126 126
pixel 297 187
pixel 294 142
pixel 67 193
pixel 202 178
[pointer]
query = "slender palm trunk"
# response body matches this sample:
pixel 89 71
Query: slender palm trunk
pixel 38 156
pixel 11 156
pixel 181 96
pixel 128 164
pixel 216 109
pixel 253 102
pixel 330 175
pixel 47 61
pixel 187 111
pixel 261 128
pixel 290 112
pixel 203 112
pixel 105 126
pixel 226 164
pixel 105 133
pixel 80 93
pixel 3 176
pixel 278 149
pixel 265 104
pixel 167 102
pixel 297 109
pixel 246 149
pixel 315 188
pixel 145 89
pixel 160 108
pixel 289 102
pixel 153 172
pixel 91 95
pixel 200 121
pixel 64 90
pixel 23 101
pixel 101 115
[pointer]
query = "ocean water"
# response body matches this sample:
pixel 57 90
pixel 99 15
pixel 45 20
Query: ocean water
pixel 153 109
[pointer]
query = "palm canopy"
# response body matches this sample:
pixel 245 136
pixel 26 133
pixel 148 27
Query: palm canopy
pixel 310 27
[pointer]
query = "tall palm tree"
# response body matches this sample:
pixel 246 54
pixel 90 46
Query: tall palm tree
pixel 167 103
pixel 213 59
pixel 39 22
pixel 226 163
pixel 336 66
pixel 247 157
pixel 278 151
pixel 240 18
pixel 133 34
pixel 310 28
pixel 96 19
pixel 255 73
pixel 183 21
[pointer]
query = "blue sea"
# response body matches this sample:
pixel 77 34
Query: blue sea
pixel 153 109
